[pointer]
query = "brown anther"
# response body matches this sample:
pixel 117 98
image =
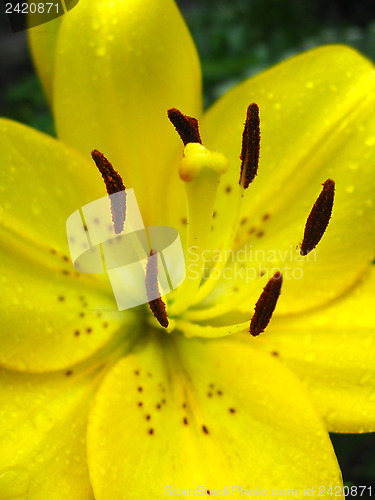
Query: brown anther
pixel 114 184
pixel 186 126
pixel 266 305
pixel 157 305
pixel 250 146
pixel 319 217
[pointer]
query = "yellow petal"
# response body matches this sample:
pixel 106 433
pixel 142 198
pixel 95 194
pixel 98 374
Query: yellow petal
pixel 317 122
pixel 42 183
pixel 42 434
pixel 332 350
pixel 119 66
pixel 42 41
pixel 50 314
pixel 185 413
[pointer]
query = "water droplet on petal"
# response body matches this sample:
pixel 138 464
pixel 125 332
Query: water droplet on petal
pixel 14 481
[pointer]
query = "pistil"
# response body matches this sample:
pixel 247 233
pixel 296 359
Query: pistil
pixel 201 170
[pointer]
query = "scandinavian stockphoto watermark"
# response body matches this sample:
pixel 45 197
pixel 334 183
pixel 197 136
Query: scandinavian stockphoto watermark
pixel 26 14
pixel 96 245
pixel 302 492
pixel 247 263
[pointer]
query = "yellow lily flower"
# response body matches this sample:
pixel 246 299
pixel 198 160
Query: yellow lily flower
pixel 103 404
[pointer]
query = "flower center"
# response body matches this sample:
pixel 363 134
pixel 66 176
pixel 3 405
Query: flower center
pixel 201 171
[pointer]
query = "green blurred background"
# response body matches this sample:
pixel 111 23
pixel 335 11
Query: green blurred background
pixel 235 39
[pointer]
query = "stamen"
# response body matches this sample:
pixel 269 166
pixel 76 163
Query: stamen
pixel 114 184
pixel 186 126
pixel 250 146
pixel 266 305
pixel 319 217
pixel 157 306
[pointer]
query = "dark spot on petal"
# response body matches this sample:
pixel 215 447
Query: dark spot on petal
pixel 266 217
pixel 163 401
pixel 275 353
pixel 66 258
pixel 82 314
pixel 252 230
pixel 53 251
pixel 228 189
pixel 186 421
pixel 88 330
pixel 64 271
pixel 184 221
pixel 183 405
pixel 76 333
pixel 61 298
pixel 151 431
pixel 140 389
pixel 68 373
pixel 243 221
pixel 260 234
pixel 232 410
pixel 211 386
pixel 158 406
pixel 209 394
pixel 214 214
pixel 140 403
pixel 136 372
pixel 105 325
pixel 148 417
pixel 219 393
pixel 204 429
